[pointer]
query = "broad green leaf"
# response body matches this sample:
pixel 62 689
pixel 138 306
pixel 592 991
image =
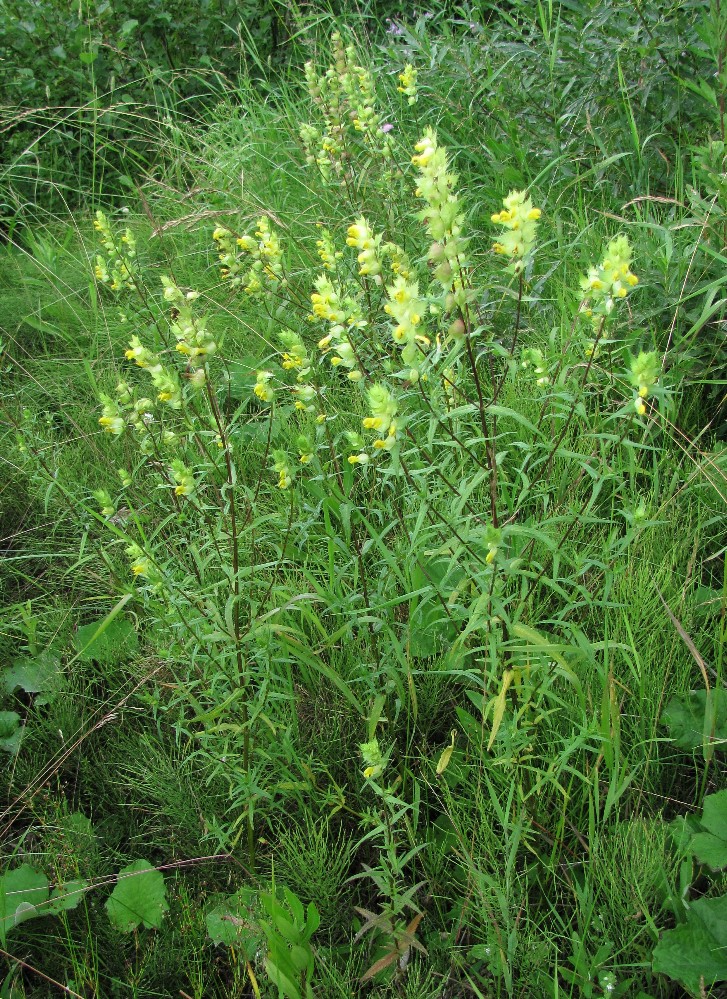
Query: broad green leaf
pixel 710 847
pixel 10 731
pixel 231 923
pixel 65 897
pixel 714 814
pixel 37 675
pixel 710 850
pixel 106 643
pixel 695 953
pixel 22 891
pixel 684 716
pixel 139 898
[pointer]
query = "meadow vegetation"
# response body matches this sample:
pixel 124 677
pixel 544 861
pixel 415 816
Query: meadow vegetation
pixel 364 502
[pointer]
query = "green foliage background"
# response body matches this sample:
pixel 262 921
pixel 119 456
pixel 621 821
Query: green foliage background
pixel 550 856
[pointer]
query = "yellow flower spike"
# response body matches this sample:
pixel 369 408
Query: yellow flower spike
pixel 520 221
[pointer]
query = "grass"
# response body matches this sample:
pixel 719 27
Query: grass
pixel 224 747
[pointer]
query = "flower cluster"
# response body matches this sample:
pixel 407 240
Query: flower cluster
pixel 183 478
pixel 295 355
pixel 327 250
pixel 361 237
pixel 397 260
pixel 345 97
pixel 644 371
pixel 166 382
pixel 193 343
pixel 253 263
pixel 449 384
pixel 383 408
pixel 610 281
pixel 406 309
pixel 111 418
pixel 408 83
pixel 443 218
pixel 520 221
pixel 140 563
pixel 373 758
pixel 343 314
pixel 533 358
pixel 305 449
pixel 193 340
pixel 282 468
pixel 106 504
pixel 263 389
pixel 117 268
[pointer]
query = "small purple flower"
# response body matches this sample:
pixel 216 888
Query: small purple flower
pixel 394 28
pixel 387 127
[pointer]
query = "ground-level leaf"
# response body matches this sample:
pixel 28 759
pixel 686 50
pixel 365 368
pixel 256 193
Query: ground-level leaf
pixel 139 898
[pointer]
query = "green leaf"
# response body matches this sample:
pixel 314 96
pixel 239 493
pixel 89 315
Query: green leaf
pixel 107 642
pixel 139 898
pixel 684 716
pixel 278 977
pixel 38 675
pixel 22 891
pixel 710 847
pixel 65 897
pixel 696 951
pixel 10 731
pixel 231 923
pixel 714 814
pixel 710 850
